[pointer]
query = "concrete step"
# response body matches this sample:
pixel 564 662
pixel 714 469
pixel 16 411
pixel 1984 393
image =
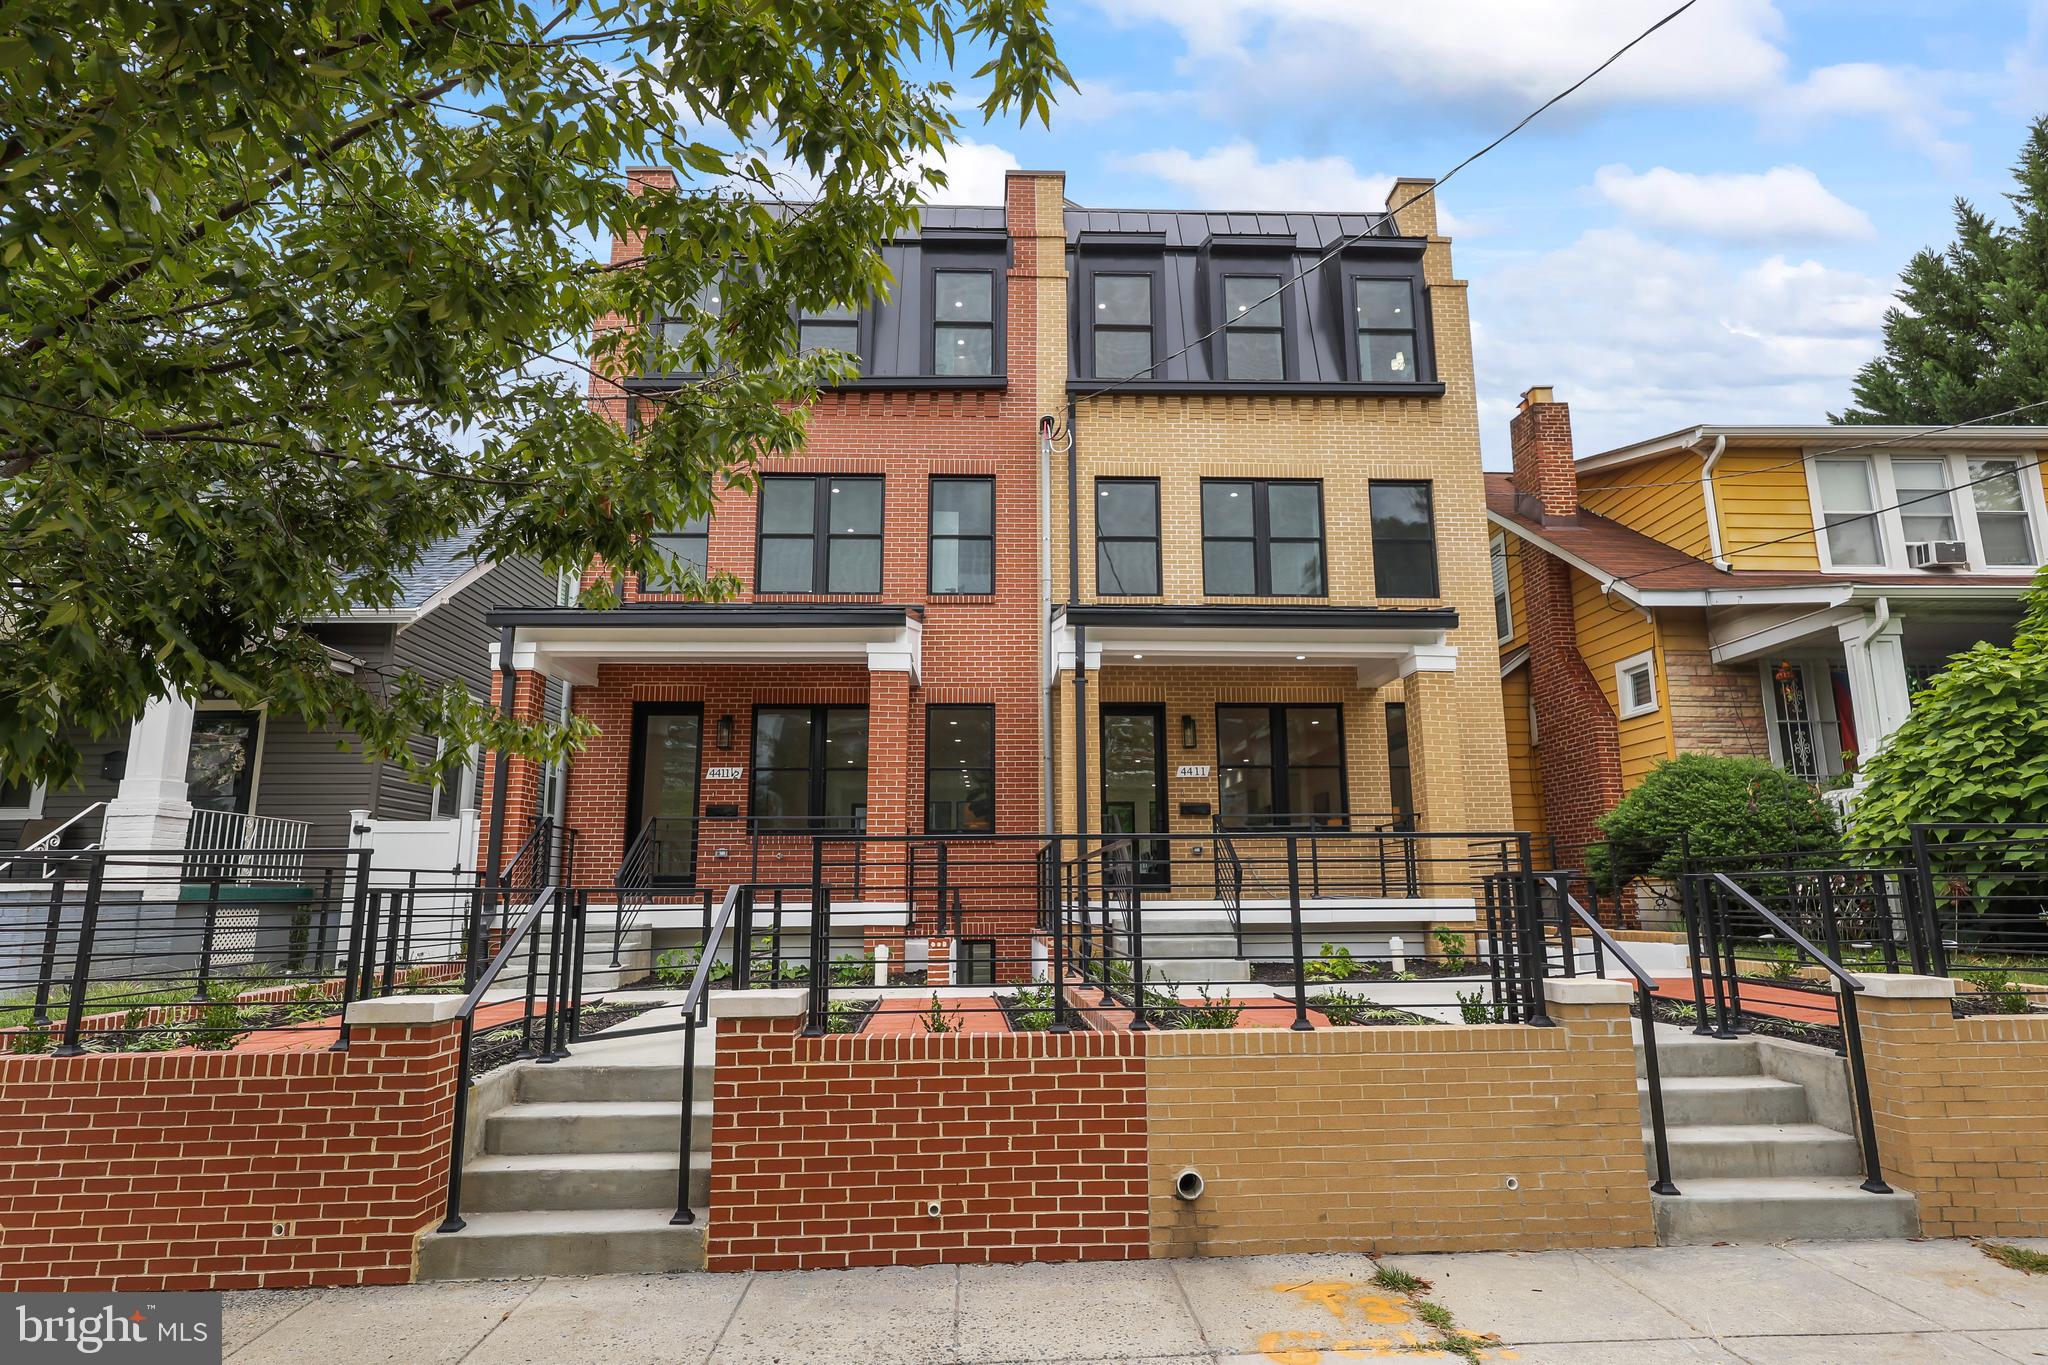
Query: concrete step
pixel 1692 1100
pixel 1690 1055
pixel 1207 922
pixel 580 1180
pixel 574 1082
pixel 498 1246
pixel 1165 947
pixel 634 1126
pixel 1196 971
pixel 1822 1208
pixel 1747 1151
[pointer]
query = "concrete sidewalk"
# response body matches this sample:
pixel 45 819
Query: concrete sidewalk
pixel 1919 1303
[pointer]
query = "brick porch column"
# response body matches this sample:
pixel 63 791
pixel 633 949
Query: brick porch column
pixel 522 787
pixel 891 784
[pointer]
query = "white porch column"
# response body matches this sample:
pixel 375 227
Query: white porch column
pixel 1874 647
pixel 150 811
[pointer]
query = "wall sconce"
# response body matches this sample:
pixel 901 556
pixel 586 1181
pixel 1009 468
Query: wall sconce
pixel 114 766
pixel 725 732
pixel 1187 732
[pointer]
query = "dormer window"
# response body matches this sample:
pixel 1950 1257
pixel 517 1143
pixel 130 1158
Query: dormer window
pixel 1123 326
pixel 829 329
pixel 1383 312
pixel 1254 345
pixel 963 322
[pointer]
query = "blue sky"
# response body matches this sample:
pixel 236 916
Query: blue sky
pixel 1709 232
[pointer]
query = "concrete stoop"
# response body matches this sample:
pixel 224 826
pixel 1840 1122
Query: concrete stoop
pixel 578 1177
pixel 635 952
pixel 1760 1157
pixel 1188 947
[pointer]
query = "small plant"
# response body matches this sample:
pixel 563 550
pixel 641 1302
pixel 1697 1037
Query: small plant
pixel 1214 1012
pixel 1997 986
pixel 937 1020
pixel 678 967
pixel 845 1016
pixel 1399 1281
pixel 1406 976
pixel 2016 1258
pixel 219 1025
pixel 1031 1007
pixel 1436 1315
pixel 416 980
pixel 1340 1007
pixel 1333 963
pixel 1785 968
pixel 1475 1008
pixel 1451 947
pixel 849 970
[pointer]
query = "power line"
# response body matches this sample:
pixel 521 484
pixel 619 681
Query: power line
pixel 2013 473
pixel 1391 214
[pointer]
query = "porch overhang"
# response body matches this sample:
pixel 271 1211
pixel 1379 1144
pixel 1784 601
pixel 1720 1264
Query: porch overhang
pixel 1382 643
pixel 571 643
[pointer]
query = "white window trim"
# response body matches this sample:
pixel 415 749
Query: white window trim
pixel 1623 708
pixel 32 811
pixel 1505 596
pixel 1891 526
pixel 466 793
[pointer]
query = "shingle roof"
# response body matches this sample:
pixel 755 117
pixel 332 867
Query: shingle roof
pixel 439 565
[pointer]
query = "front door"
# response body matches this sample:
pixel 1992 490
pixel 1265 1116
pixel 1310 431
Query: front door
pixel 220 773
pixel 668 745
pixel 1134 784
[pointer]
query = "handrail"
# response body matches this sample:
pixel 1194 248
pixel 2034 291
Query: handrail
pixel 1646 990
pixel 505 951
pixel 50 840
pixel 694 1014
pixel 1852 1031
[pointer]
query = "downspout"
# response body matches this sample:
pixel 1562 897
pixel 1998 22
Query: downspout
pixel 1881 618
pixel 1049 788
pixel 1080 632
pixel 1708 459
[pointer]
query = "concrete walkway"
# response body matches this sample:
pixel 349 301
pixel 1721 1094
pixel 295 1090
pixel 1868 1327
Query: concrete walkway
pixel 1810 1303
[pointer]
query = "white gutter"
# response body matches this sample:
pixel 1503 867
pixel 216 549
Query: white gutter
pixel 1707 463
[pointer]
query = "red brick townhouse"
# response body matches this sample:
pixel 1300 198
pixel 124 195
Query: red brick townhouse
pixel 880 671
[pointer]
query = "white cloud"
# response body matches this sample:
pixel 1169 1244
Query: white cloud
pixel 1784 203
pixel 974 172
pixel 1642 337
pixel 1907 100
pixel 1097 101
pixel 1233 176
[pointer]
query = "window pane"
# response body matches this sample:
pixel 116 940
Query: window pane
pixel 1247 795
pixel 854 566
pixel 963 350
pixel 2006 538
pixel 1312 736
pixel 1854 542
pixel 963 295
pixel 963 566
pixel 846 736
pixel 788 505
pixel 1227 568
pixel 1641 688
pixel 828 336
pixel 1401 511
pixel 1294 509
pixel 1124 299
pixel 2000 489
pixel 1247 300
pixel 1314 791
pixel 683 550
pixel 2001 512
pixel 1384 303
pixel 1120 355
pixel 1846 489
pixel 782 737
pixel 782 797
pixel 959 802
pixel 1405 570
pixel 846 798
pixel 1244 734
pixel 1127 509
pixel 786 565
pixel 1253 355
pixel 1925 508
pixel 961 737
pixel 1297 568
pixel 963 507
pixel 1125 568
pixel 1844 485
pixel 1386 357
pixel 1226 509
pixel 856 507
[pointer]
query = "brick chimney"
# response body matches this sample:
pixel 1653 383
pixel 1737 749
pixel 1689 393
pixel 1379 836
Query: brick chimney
pixel 1546 485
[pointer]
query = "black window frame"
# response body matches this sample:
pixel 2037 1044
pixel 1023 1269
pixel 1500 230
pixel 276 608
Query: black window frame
pixel 813 820
pixel 1379 581
pixel 933 537
pixel 1262 539
pixel 1355 329
pixel 937 263
pixel 1279 766
pixel 1230 324
pixel 1124 261
pixel 1158 566
pixel 702 535
pixel 1400 772
pixel 858 318
pixel 933 715
pixel 1388 260
pixel 821 534
pixel 1149 328
pixel 966 955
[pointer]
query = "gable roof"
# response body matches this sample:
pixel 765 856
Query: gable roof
pixel 1821 437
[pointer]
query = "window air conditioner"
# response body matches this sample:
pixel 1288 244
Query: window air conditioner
pixel 1936 554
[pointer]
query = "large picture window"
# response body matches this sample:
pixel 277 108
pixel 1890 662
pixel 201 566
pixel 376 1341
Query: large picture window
pixel 1262 538
pixel 810 768
pixel 1127 537
pixel 963 322
pixel 962 554
pixel 960 769
pixel 821 534
pixel 1280 765
pixel 1403 539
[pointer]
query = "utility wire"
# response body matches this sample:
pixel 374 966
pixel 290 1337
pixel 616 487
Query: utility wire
pixel 1389 215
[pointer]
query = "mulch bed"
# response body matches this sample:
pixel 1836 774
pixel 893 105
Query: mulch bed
pixel 1419 969
pixel 1008 1004
pixel 495 1047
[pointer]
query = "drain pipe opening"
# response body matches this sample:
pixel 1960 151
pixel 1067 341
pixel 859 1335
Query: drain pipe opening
pixel 1188 1185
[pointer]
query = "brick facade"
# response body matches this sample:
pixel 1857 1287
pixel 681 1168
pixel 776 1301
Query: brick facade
pixel 826 1152
pixel 1715 708
pixel 168 1171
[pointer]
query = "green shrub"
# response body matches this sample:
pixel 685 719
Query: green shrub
pixel 849 970
pixel 1214 1012
pixel 1725 808
pixel 2000 989
pixel 1475 1008
pixel 1333 963
pixel 678 967
pixel 35 1038
pixel 1450 946
pixel 1031 1007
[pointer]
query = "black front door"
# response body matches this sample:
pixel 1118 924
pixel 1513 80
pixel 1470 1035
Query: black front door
pixel 1134 784
pixel 668 748
pixel 220 773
